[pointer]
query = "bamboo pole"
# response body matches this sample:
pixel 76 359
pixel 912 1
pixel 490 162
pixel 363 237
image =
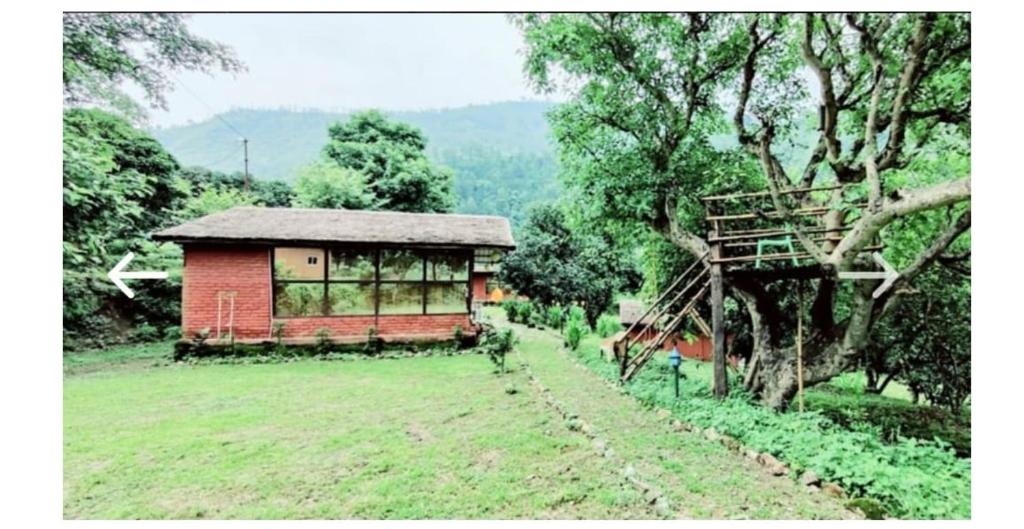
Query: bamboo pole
pixel 768 193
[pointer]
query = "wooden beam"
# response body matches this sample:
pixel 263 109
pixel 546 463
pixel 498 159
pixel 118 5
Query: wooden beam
pixel 734 196
pixel 720 383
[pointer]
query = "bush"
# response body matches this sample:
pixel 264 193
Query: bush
pixel 608 325
pixel 555 315
pixel 323 340
pixel 537 320
pixel 575 327
pixel 511 308
pixel 145 333
pixel 524 312
pixel 496 344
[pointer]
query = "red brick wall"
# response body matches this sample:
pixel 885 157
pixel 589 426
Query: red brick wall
pixel 387 325
pixel 212 270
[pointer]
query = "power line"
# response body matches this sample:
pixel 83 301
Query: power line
pixel 216 115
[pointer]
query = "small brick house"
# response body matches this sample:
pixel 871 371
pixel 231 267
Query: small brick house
pixel 401 276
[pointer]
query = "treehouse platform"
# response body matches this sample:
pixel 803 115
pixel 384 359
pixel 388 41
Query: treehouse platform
pixel 782 234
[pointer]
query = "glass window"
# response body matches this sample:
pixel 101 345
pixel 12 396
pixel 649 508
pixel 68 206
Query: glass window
pixel 447 267
pixel 401 265
pixel 401 298
pixel 351 265
pixel 350 299
pixel 446 299
pixel 298 299
pixel 301 264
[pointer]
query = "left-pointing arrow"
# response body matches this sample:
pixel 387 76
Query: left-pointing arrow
pixel 117 273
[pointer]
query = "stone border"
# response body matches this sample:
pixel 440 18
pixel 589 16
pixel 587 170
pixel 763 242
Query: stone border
pixel 654 497
pixel 772 465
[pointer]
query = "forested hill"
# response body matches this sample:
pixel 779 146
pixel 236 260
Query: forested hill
pixel 502 153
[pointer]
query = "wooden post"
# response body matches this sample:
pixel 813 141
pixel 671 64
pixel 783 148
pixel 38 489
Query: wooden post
pixel 720 384
pixel 800 347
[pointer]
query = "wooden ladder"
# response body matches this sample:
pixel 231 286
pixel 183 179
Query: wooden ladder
pixel 691 285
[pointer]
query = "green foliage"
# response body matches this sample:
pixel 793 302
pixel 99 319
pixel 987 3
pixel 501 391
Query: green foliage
pixel 555 264
pixel 575 327
pixel 608 325
pixel 524 312
pixel 555 316
pixel 511 308
pixel 909 477
pixel 496 344
pixel 270 193
pixel 325 185
pixel 105 51
pixel 118 187
pixel 322 338
pixel 392 157
pixel 211 199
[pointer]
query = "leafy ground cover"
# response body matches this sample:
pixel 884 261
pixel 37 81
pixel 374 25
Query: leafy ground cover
pixel 908 477
pixel 436 437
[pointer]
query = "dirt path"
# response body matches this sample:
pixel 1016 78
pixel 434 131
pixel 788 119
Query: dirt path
pixel 695 477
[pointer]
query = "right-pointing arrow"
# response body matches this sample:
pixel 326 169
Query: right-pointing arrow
pixel 888 275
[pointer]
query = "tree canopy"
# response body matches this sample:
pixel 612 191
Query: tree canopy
pixel 392 158
pixel 668 107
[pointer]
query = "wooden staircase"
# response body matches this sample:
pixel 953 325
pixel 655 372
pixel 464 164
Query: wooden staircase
pixel 691 286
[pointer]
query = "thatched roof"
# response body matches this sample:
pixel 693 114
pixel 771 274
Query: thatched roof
pixel 296 225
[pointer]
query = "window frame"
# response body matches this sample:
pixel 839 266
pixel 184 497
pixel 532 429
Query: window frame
pixel 376 250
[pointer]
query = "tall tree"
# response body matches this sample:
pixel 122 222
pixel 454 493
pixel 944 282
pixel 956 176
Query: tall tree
pixel 325 185
pixel 392 157
pixel 104 50
pixel 652 91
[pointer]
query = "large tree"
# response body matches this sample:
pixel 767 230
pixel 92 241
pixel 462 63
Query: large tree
pixel 654 95
pixel 392 157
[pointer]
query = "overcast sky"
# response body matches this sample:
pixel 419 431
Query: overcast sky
pixel 354 61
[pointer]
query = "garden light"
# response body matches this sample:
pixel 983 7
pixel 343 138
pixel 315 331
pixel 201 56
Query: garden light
pixel 674 359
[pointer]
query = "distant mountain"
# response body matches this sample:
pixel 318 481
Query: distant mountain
pixel 502 153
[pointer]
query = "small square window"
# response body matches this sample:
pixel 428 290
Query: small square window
pixel 311 260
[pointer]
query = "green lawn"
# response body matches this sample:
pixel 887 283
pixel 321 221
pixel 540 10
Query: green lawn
pixel 413 438
pixel 437 437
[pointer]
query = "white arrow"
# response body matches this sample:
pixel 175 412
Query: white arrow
pixel 889 274
pixel 116 275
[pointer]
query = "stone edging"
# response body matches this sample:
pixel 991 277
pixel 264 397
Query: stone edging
pixel 652 495
pixel 809 479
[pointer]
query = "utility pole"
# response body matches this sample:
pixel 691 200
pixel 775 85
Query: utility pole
pixel 245 149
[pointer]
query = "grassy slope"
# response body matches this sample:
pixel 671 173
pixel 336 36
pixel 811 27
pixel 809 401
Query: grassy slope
pixel 415 438
pixel 700 478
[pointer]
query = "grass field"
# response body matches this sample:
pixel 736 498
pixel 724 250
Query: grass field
pixel 437 437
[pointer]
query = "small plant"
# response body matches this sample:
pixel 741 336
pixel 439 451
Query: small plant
pixel 537 320
pixel 511 308
pixel 608 325
pixel 555 317
pixel 524 312
pixel 323 340
pixel 277 330
pixel 145 333
pixel 511 389
pixel 458 335
pixel 575 327
pixel 496 344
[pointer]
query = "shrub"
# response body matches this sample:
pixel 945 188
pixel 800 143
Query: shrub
pixel 537 320
pixel 575 327
pixel 145 333
pixel 524 312
pixel 323 340
pixel 511 308
pixel 608 325
pixel 496 344
pixel 555 316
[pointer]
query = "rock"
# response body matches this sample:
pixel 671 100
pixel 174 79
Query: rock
pixel 711 435
pixel 833 489
pixel 677 425
pixel 731 443
pixel 809 478
pixel 662 413
pixel 629 471
pixel 599 445
pixel 751 454
pixel 776 467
